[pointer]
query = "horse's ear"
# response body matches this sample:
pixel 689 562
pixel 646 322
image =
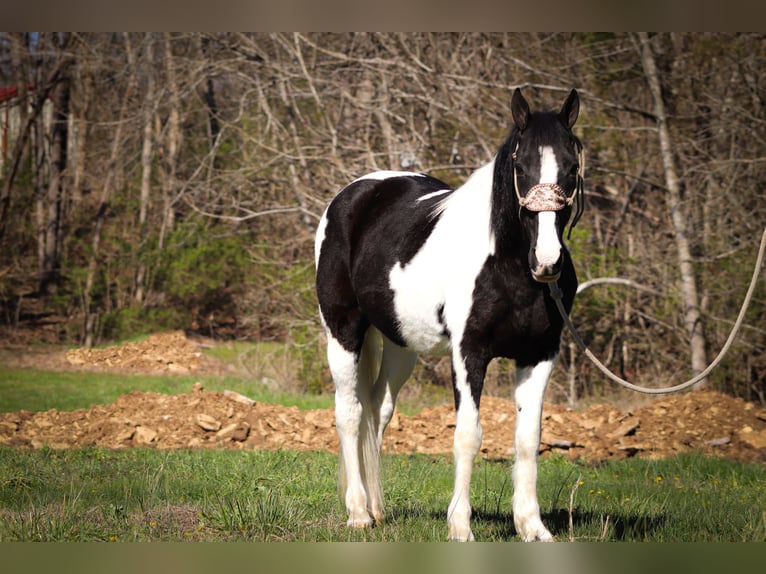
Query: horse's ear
pixel 519 110
pixel 570 109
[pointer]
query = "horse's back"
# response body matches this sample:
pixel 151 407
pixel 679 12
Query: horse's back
pixel 385 208
pixel 376 222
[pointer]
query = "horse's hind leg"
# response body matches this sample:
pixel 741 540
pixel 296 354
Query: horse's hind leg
pixel 395 368
pixel 529 407
pixel 351 373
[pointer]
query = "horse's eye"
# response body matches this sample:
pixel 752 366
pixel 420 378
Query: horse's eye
pixel 573 170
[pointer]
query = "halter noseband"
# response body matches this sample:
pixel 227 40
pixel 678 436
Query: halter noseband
pixel 551 196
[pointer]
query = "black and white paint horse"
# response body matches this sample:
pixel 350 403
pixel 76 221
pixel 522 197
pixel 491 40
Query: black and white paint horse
pixel 407 265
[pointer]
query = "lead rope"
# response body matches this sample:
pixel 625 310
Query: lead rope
pixel 557 294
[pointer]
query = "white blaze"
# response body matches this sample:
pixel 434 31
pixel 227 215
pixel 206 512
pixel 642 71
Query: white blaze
pixel 548 248
pixel 549 167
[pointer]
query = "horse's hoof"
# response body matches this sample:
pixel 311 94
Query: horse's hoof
pixel 541 535
pixel 359 522
pixel 454 537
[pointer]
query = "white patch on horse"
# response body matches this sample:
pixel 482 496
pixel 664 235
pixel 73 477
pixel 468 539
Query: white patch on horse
pixel 529 407
pixel 444 270
pixel 319 239
pixel 548 247
pixel 348 416
pixel 387 174
pixel 433 194
pixel 467 441
pixel 549 167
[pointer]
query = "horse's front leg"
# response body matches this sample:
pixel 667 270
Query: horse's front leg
pixel 468 433
pixel 529 407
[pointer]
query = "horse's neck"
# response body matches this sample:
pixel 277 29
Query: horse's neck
pixel 505 222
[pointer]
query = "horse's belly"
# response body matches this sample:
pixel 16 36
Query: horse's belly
pixel 423 335
pixel 419 310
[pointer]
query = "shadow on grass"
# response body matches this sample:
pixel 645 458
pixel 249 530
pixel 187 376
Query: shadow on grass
pixel 586 525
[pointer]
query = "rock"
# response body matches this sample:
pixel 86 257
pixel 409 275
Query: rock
pixel 241 433
pixel 627 428
pixel 592 424
pixel 206 422
pixel 226 431
pixel 633 446
pixel 236 397
pixel 556 442
pixel 125 434
pixel 718 441
pixel 145 435
pixel 324 420
pixel 756 439
pixel 75 358
pixel 8 427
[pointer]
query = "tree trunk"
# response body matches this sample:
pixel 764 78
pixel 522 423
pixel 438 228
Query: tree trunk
pixel 692 317
pixel 146 184
pixel 91 314
pixel 213 125
pixel 21 142
pixel 50 266
pixel 20 62
pixel 173 143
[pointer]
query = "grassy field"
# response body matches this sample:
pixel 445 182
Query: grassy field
pixel 262 371
pixel 39 390
pixel 152 495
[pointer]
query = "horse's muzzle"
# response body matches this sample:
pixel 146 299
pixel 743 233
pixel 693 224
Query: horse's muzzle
pixel 545 269
pixel 546 273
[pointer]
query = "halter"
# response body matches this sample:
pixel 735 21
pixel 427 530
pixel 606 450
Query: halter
pixel 551 196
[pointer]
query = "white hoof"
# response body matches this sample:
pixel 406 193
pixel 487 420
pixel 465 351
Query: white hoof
pixel 466 538
pixel 534 532
pixel 359 522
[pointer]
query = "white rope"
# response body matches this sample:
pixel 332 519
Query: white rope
pixel 557 294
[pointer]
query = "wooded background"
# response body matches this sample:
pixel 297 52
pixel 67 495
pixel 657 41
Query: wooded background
pixel 157 180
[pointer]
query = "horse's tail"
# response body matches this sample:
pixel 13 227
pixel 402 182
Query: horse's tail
pixel 368 447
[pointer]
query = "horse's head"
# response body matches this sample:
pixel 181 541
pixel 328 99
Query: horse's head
pixel 546 176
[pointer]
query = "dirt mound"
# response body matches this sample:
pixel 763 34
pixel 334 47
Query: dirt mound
pixel 164 352
pixel 709 422
pixel 705 421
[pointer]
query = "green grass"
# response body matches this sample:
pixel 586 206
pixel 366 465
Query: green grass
pixel 151 495
pixel 40 390
pixel 263 371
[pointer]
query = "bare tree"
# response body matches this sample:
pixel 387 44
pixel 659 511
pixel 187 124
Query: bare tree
pixel 41 94
pixel 210 156
pixel 171 147
pixel 107 189
pixel 50 271
pixel 146 176
pixel 692 315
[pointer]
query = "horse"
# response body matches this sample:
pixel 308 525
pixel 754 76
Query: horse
pixel 405 264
